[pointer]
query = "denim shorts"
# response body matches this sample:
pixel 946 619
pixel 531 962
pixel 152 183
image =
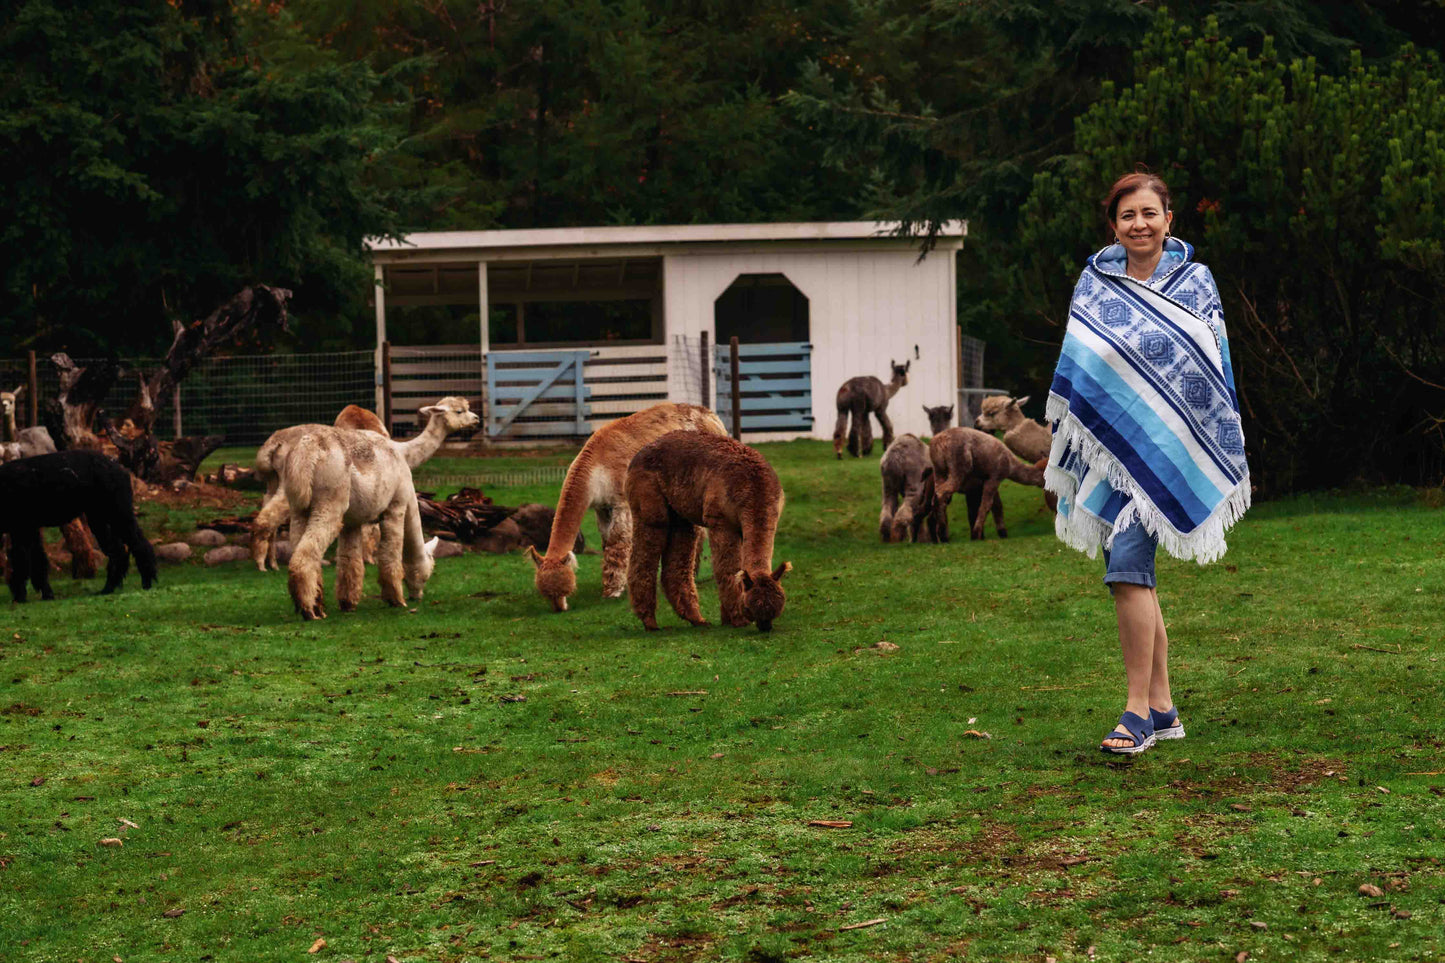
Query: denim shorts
pixel 1132 558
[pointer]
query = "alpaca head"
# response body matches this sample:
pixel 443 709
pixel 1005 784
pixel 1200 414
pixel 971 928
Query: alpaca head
pixel 418 571
pixel 555 580
pixel 8 401
pixel 900 372
pixel 763 595
pixel 456 414
pixel 939 418
pixel 1000 413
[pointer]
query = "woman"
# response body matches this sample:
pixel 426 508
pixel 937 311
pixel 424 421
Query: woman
pixel 1147 447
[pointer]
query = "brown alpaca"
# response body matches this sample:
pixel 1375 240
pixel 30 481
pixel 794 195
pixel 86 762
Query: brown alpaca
pixel 1029 439
pixel 907 491
pixel 967 460
pixel 275 512
pixel 595 480
pixel 687 479
pixel 857 398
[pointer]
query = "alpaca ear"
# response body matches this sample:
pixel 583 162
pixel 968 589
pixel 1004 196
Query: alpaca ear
pixel 431 546
pixel 570 561
pixel 782 570
pixel 537 557
pixel 18 391
pixel 428 411
pixel 745 578
pixel 906 366
pixel 950 411
pixel 1020 402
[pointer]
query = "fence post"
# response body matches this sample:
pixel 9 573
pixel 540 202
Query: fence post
pixel 737 395
pixel 32 389
pixel 706 372
pixel 386 386
pixel 176 411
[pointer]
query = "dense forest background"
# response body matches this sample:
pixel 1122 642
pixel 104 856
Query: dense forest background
pixel 161 153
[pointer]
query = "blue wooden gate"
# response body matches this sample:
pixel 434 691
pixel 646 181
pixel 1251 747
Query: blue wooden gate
pixel 548 383
pixel 776 386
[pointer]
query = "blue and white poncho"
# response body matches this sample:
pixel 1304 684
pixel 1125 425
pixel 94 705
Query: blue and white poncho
pixel 1144 412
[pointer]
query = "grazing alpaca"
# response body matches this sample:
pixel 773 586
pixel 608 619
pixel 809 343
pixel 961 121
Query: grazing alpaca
pixel 939 418
pixel 907 479
pixel 857 398
pixel 24 442
pixel 53 489
pixel 595 480
pixel 967 460
pixel 275 512
pixel 687 479
pixel 1028 439
pixel 337 480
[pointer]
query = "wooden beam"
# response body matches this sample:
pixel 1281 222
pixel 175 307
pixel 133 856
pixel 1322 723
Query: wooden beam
pixel 379 291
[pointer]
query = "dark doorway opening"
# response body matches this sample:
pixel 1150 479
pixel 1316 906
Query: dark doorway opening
pixel 761 309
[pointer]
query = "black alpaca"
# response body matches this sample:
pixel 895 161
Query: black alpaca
pixel 53 489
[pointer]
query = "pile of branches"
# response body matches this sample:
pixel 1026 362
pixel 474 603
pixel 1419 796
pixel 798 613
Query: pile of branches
pixel 466 516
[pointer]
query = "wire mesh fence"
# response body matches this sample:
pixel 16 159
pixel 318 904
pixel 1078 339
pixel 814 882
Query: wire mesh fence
pixel 244 398
pixel 971 395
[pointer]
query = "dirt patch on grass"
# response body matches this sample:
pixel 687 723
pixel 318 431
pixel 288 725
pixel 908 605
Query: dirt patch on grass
pixel 1281 778
pixel 673 949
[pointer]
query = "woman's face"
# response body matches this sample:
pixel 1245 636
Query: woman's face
pixel 1140 222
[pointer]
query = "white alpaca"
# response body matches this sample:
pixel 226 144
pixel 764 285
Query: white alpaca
pixel 25 442
pixel 337 480
pixel 1024 437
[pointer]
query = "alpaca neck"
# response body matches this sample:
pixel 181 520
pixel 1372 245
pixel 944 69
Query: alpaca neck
pixel 571 506
pixel 423 446
pixel 1025 474
pixel 10 429
pixel 891 388
pixel 757 549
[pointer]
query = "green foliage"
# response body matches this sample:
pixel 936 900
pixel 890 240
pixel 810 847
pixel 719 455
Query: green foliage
pixel 1319 202
pixel 363 781
pixel 162 154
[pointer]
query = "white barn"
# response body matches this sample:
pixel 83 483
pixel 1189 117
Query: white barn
pixel 584 325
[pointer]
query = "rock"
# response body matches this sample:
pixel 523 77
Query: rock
pixel 501 538
pixel 206 537
pixel 173 552
pixel 283 552
pixel 227 553
pixel 535 522
pixel 1371 890
pixel 448 550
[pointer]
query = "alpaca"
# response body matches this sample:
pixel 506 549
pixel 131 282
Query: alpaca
pixel 939 418
pixel 55 488
pixel 970 461
pixel 336 480
pixel 1028 439
pixel 24 442
pixel 275 512
pixel 907 491
pixel 858 397
pixel 687 479
pixel 595 480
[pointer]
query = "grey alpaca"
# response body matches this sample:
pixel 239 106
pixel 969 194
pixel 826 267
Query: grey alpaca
pixel 907 492
pixel 975 463
pixel 857 398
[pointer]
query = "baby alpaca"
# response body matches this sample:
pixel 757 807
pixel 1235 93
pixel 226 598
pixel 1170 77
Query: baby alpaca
pixel 939 418
pixel 1028 439
pixel 975 463
pixel 907 491
pixel 687 479
pixel 21 442
pixel 857 398
pixel 54 489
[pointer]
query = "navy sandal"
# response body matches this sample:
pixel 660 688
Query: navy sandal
pixel 1139 729
pixel 1166 724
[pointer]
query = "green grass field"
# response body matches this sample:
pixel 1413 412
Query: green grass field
pixel 479 778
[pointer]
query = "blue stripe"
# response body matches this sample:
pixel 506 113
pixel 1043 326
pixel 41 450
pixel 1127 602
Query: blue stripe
pixel 1135 297
pixel 1166 391
pixel 1185 501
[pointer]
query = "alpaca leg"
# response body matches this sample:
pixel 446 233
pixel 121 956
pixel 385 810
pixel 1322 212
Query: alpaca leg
pixel 33 547
pixel 320 526
pixel 350 568
pixel 985 505
pixel 371 539
pixel 727 561
pixel 389 565
pixel 648 543
pixel 273 514
pixel 942 496
pixel 679 562
pixel 865 432
pixel 616 547
pixel 19 567
pixel 885 423
pixel 840 431
pixel 998 515
pixel 885 517
pixel 116 554
pixel 129 531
